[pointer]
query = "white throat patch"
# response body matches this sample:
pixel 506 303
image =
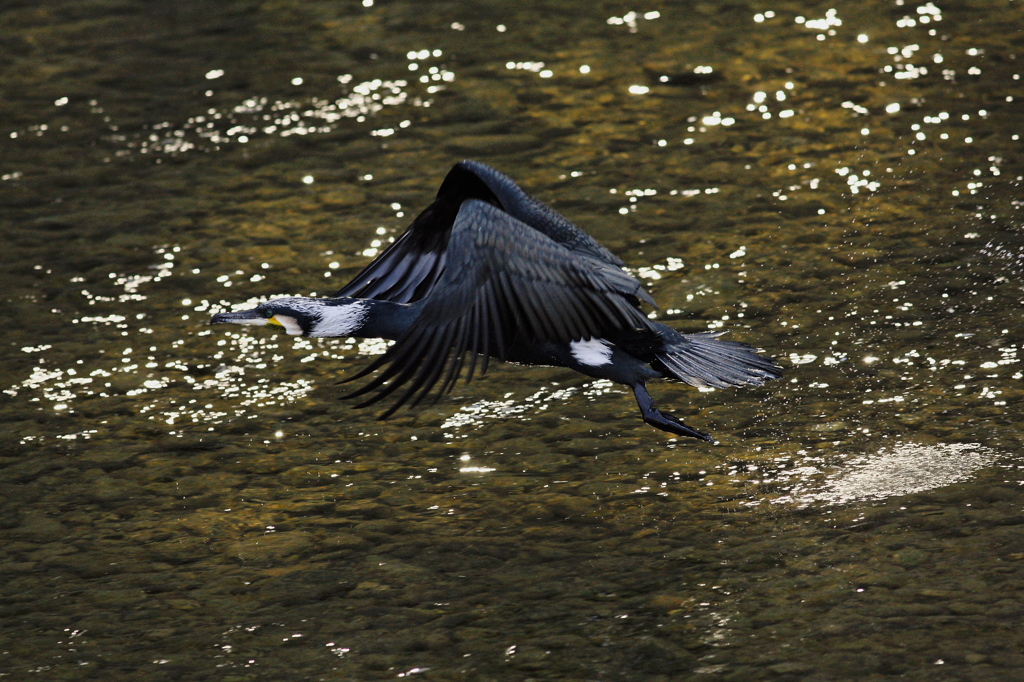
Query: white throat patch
pixel 340 320
pixel 593 352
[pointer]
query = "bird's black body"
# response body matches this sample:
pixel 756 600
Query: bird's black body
pixel 488 271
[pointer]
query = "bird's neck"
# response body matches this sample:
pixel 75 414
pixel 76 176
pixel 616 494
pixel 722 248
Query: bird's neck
pixel 376 319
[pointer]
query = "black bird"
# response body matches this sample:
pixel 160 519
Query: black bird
pixel 488 271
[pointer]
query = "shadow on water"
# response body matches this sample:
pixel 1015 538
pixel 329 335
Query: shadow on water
pixel 838 184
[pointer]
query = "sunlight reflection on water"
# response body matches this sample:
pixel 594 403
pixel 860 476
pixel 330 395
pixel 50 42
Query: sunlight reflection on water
pixel 900 469
pixel 476 415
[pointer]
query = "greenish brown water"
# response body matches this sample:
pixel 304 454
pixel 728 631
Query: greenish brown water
pixel 838 184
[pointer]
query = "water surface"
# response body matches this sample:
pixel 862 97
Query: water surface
pixel 838 184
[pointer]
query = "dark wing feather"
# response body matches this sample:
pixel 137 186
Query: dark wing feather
pixel 504 281
pixel 409 268
pixel 521 205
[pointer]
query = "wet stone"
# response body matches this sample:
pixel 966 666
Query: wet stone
pixel 491 144
pixel 40 527
pixel 271 547
pixel 306 476
pixel 831 426
pixel 263 234
pixel 911 557
pixel 656 656
pixel 116 598
pixel 670 603
pixel 790 668
pixel 338 540
pixel 341 197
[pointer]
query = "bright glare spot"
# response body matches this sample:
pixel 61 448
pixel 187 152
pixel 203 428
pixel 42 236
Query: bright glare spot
pixel 60 102
pixel 798 359
pixel 638 89
pixel 862 38
pixel 831 20
pixel 296 81
pixel 892 108
pixel 584 69
pixel 308 179
pixel 547 73
pixel 215 73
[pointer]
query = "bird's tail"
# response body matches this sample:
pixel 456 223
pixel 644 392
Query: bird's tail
pixel 704 360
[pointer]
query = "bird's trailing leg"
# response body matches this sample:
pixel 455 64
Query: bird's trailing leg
pixel 660 420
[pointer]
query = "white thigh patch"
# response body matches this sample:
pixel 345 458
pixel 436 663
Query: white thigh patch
pixel 593 352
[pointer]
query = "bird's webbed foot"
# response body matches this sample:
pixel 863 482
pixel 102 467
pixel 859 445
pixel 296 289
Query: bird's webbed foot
pixel 665 422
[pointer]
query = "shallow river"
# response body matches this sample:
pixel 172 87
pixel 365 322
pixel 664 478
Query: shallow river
pixel 838 184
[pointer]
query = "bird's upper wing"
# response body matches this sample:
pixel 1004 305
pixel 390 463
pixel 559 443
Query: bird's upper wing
pixel 409 268
pixel 503 281
pixel 517 203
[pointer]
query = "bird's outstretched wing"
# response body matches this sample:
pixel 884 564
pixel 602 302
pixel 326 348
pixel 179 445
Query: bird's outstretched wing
pixel 503 280
pixel 408 269
pixel 519 204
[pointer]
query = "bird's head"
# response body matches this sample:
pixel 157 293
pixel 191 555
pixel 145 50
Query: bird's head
pixel 302 316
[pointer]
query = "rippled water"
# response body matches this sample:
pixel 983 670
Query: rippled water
pixel 837 184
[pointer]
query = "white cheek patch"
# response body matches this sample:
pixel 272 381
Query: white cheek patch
pixel 593 352
pixel 289 323
pixel 340 320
